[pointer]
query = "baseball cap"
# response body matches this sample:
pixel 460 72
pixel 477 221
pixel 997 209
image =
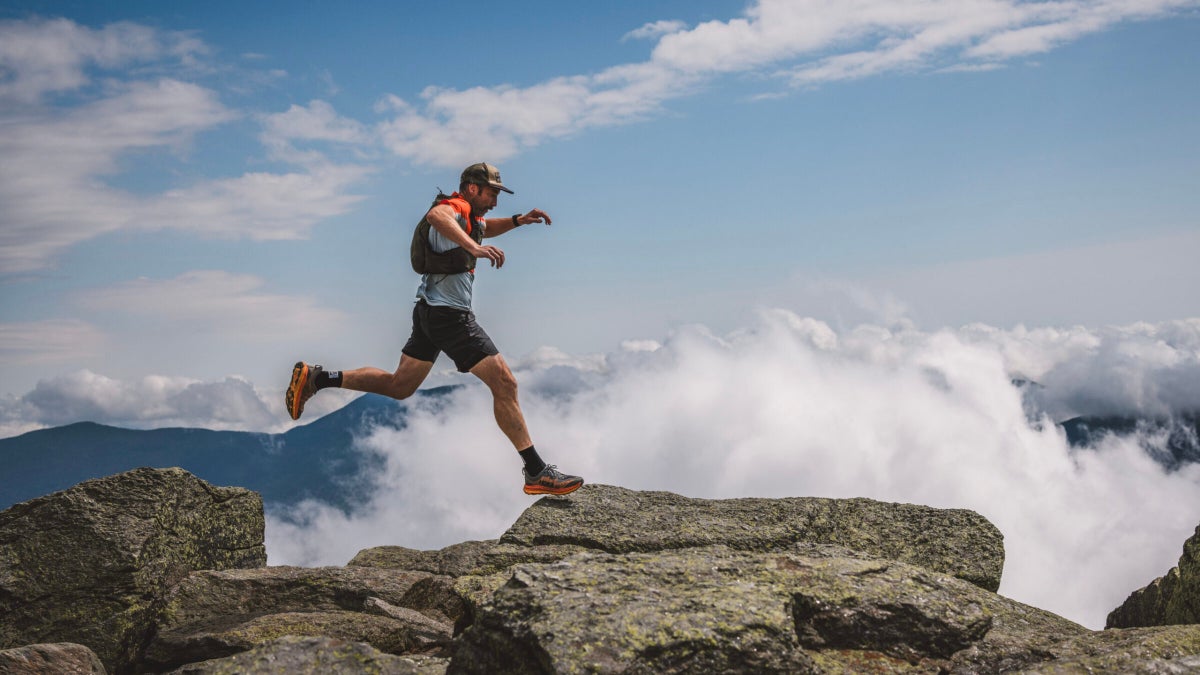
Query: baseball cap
pixel 485 174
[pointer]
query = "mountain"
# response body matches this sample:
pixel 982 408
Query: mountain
pixel 316 461
pixel 1172 442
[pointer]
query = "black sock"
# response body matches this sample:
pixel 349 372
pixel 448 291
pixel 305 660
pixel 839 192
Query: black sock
pixel 328 379
pixel 533 463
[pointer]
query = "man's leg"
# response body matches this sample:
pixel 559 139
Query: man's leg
pixel 495 374
pixel 547 480
pixel 399 385
pixel 308 380
pixel 416 361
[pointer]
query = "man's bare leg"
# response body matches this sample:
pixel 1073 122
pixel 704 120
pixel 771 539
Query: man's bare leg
pixel 399 385
pixel 496 375
pixel 547 480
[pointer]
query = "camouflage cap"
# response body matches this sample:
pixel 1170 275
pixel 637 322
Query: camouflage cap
pixel 483 174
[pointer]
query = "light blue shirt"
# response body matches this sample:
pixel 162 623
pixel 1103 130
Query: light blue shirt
pixel 445 290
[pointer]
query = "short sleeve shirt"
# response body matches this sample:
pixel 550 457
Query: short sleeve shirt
pixel 450 290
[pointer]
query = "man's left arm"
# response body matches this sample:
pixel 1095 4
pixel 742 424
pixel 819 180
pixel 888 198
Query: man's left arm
pixel 498 226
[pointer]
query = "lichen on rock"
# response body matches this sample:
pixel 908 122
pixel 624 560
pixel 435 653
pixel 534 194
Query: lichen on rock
pixel 91 564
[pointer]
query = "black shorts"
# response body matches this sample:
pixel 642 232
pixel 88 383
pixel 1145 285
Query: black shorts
pixel 446 329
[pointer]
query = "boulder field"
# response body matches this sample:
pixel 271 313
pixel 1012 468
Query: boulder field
pixel 155 571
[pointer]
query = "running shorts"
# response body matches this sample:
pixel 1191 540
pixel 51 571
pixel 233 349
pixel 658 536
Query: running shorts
pixel 447 329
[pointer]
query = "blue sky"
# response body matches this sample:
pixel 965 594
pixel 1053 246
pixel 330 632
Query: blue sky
pixel 203 193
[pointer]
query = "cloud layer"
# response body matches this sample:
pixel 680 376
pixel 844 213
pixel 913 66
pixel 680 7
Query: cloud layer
pixel 790 407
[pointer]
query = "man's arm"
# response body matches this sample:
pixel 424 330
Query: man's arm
pixel 442 218
pixel 498 226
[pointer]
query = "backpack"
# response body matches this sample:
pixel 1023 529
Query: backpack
pixel 427 261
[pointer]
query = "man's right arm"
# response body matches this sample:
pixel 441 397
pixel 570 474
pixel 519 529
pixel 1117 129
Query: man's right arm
pixel 443 218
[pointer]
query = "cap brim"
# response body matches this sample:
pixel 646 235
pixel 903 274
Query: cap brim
pixel 501 187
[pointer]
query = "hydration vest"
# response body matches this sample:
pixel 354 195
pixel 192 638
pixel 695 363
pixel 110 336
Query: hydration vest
pixel 455 261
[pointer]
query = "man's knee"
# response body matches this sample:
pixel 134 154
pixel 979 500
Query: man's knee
pixel 408 377
pixel 496 374
pixel 401 389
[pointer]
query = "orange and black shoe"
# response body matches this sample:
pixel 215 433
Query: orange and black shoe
pixel 303 386
pixel 551 481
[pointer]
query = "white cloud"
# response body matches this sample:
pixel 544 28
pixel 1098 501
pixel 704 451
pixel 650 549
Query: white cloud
pixel 316 122
pixel 41 57
pixel 260 206
pixel 155 401
pixel 811 42
pixel 791 407
pixel 223 303
pixel 457 127
pixel 655 29
pixel 60 157
pixel 48 341
pixel 151 401
pixel 1147 370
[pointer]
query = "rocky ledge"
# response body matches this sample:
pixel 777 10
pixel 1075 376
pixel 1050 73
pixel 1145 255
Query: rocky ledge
pixel 1171 599
pixel 156 571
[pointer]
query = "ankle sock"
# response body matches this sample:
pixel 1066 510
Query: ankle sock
pixel 533 463
pixel 328 379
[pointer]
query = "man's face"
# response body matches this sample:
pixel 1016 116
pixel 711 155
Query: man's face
pixel 482 198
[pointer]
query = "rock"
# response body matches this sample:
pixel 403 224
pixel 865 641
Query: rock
pixel 812 609
pixel 293 654
pixel 216 614
pixel 234 635
pixel 91 564
pixel 452 561
pixel 1150 651
pixel 1171 599
pixel 60 658
pixel 615 520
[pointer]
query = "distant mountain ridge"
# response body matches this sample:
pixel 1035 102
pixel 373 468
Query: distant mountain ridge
pixel 1178 437
pixel 314 461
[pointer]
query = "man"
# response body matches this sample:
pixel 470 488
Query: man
pixel 448 241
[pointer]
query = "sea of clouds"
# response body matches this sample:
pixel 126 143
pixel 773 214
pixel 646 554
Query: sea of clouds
pixel 791 407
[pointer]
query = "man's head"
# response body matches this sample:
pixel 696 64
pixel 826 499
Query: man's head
pixel 480 185
pixel 483 175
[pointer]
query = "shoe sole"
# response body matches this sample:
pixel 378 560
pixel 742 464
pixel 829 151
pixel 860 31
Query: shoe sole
pixel 294 403
pixel 542 490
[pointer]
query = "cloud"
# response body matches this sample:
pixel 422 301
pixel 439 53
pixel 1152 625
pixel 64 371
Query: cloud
pixel 316 122
pixel 49 341
pixel 216 302
pixel 807 43
pixel 790 407
pixel 152 401
pixel 454 127
pixel 155 401
pixel 1142 370
pixel 50 56
pixel 61 155
pixel 655 29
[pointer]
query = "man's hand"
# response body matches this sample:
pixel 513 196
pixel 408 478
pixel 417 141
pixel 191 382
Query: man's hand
pixel 534 216
pixel 493 254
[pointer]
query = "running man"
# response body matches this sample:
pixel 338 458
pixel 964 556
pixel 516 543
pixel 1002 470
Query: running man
pixel 446 244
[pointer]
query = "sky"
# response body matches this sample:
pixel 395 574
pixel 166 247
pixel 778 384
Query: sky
pixel 203 193
pixel 906 198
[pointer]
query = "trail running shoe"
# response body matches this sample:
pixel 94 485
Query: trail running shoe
pixel 551 482
pixel 303 386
